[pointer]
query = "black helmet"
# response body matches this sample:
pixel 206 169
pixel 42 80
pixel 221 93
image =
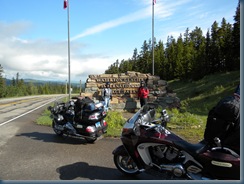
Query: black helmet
pixel 107 83
pixel 142 82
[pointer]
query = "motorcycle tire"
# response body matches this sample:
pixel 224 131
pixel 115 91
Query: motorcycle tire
pixel 58 132
pixel 125 163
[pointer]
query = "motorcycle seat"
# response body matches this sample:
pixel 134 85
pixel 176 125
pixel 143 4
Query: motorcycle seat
pixel 194 149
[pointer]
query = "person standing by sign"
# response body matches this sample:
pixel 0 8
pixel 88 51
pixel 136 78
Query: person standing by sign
pixel 107 95
pixel 143 93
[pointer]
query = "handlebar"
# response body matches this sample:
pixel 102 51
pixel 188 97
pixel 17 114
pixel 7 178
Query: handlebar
pixel 148 125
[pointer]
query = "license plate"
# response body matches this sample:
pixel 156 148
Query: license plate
pixel 98 124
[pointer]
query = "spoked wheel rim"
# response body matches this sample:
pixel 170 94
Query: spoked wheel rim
pixel 126 164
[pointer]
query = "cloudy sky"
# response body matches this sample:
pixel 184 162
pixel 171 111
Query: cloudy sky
pixel 34 33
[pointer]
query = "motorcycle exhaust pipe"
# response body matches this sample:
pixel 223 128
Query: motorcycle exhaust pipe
pixel 176 169
pixel 179 171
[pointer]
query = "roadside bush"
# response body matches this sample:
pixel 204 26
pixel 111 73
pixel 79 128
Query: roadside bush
pixel 115 122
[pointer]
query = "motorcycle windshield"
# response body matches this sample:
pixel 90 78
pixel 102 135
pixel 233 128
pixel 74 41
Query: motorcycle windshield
pixel 143 113
pixel 131 122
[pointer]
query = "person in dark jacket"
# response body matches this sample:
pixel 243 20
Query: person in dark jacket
pixel 143 93
pixel 223 123
pixel 233 139
pixel 107 95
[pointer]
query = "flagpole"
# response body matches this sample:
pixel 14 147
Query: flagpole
pixel 68 4
pixel 153 37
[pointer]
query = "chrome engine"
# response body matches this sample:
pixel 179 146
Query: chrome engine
pixel 170 159
pixel 166 154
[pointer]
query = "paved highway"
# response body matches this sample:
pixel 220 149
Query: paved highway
pixel 32 152
pixel 13 108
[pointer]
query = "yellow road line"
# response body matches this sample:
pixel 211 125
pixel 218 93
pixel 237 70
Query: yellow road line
pixel 16 102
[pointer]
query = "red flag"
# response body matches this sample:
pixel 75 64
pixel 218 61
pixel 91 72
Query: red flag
pixel 154 2
pixel 65 3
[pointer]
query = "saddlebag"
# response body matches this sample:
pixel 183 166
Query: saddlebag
pixel 221 165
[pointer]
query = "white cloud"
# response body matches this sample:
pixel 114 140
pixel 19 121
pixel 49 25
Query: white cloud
pixel 46 59
pixel 113 23
pixel 161 11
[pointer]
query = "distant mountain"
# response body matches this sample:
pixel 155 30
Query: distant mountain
pixel 34 81
pixel 41 82
pixel 8 81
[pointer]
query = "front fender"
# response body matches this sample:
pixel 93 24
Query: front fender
pixel 120 150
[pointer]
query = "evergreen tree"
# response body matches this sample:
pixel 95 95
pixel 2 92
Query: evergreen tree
pixel 134 60
pixel 197 38
pixel 32 89
pixel 228 49
pixel 159 59
pixel 114 68
pixel 170 65
pixel 198 60
pixel 236 40
pixel 117 66
pixel 225 45
pixel 13 82
pixel 208 54
pixel 188 55
pixel 125 66
pixel 145 59
pixel 179 69
pixel 214 48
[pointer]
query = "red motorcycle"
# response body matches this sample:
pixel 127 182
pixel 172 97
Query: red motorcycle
pixel 148 145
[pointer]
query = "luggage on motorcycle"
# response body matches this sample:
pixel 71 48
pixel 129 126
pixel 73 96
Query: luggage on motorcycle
pixel 221 164
pixel 85 104
pixel 223 120
pixel 82 105
pixel 84 108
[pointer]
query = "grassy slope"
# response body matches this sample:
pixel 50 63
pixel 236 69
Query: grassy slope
pixel 198 97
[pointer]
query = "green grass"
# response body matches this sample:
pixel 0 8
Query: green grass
pixel 197 98
pixel 115 122
pixel 45 119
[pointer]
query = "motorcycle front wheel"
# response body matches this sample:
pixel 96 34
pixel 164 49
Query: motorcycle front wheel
pixel 125 164
pixel 56 130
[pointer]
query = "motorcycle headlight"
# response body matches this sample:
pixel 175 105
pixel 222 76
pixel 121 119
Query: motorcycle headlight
pixel 136 128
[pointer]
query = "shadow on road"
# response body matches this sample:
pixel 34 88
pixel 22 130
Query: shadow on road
pixel 47 137
pixel 85 171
